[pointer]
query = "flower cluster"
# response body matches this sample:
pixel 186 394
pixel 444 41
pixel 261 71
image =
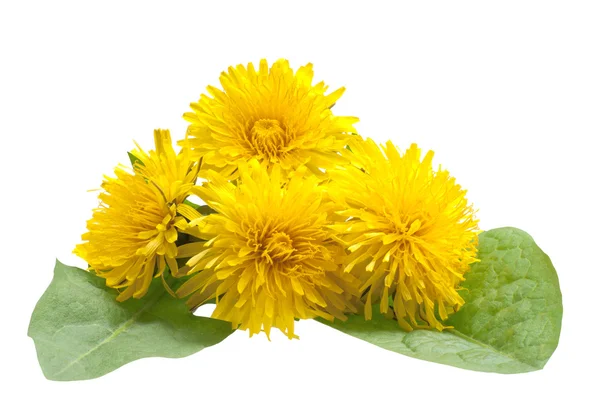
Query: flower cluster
pixel 301 216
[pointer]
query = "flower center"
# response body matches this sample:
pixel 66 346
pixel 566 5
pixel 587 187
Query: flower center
pixel 267 138
pixel 278 247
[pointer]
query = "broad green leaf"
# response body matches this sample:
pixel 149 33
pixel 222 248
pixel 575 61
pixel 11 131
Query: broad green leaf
pixel 511 320
pixel 81 332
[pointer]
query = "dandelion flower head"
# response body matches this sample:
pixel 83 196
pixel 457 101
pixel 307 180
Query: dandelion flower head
pixel 268 256
pixel 410 232
pixel 131 235
pixel 271 114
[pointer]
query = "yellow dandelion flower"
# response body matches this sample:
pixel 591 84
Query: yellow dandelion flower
pixel 268 256
pixel 271 114
pixel 410 232
pixel 131 235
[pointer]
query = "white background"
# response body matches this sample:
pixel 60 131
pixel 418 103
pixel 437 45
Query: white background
pixel 507 94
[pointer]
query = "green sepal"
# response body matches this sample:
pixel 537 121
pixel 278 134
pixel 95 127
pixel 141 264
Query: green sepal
pixel 202 209
pixel 134 159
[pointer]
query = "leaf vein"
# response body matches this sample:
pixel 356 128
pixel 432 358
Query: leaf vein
pixel 122 328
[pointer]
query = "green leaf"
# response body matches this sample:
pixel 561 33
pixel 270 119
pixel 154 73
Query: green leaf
pixel 81 332
pixel 511 320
